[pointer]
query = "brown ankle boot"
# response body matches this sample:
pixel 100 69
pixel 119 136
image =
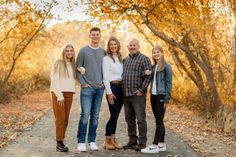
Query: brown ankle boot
pixel 115 144
pixel 108 143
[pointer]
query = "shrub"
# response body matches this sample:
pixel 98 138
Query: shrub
pixel 18 87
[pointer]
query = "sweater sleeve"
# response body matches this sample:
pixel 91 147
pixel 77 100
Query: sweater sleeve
pixel 146 80
pixel 55 81
pixel 80 63
pixel 105 70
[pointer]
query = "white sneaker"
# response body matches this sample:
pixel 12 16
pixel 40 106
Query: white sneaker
pixel 82 147
pixel 162 147
pixel 93 146
pixel 150 149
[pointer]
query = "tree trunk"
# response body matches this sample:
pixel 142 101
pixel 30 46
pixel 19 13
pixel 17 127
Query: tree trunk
pixel 10 71
pixel 24 43
pixel 196 78
pixel 234 52
pixel 212 92
pixel 204 64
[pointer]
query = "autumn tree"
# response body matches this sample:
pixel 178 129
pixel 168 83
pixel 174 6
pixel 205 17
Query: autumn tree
pixel 191 29
pixel 20 23
pixel 233 8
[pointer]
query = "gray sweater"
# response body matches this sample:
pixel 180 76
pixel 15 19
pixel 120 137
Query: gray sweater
pixel 91 60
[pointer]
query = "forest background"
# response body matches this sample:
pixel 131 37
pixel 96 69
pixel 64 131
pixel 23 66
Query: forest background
pixel 199 39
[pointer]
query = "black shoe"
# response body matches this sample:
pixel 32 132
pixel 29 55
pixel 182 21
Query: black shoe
pixel 130 145
pixel 139 147
pixel 61 147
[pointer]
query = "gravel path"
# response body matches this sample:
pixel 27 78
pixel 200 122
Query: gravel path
pixel 38 140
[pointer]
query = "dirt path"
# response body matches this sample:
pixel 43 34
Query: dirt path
pixel 38 140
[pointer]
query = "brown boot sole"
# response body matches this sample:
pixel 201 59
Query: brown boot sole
pixel 109 148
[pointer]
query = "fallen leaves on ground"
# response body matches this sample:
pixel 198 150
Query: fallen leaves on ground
pixel 202 135
pixel 19 114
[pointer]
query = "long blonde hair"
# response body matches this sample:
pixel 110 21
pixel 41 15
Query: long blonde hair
pixel 60 65
pixel 161 62
pixel 109 53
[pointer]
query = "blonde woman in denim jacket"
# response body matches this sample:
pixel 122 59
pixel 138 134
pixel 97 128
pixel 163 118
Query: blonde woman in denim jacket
pixel 161 87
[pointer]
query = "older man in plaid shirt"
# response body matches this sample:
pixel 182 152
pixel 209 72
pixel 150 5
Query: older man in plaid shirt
pixel 136 78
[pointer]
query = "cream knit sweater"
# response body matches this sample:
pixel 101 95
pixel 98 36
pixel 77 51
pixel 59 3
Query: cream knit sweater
pixel 62 84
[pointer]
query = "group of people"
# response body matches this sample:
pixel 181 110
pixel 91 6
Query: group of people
pixel 125 82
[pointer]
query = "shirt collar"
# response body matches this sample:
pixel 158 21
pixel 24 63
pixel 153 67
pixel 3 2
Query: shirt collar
pixel 95 48
pixel 134 54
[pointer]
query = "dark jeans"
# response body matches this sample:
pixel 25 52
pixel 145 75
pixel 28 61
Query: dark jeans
pixel 157 102
pixel 135 108
pixel 114 109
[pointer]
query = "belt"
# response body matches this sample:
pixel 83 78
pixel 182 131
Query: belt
pixel 116 82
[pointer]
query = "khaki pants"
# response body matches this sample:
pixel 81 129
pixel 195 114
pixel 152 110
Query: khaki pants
pixel 61 114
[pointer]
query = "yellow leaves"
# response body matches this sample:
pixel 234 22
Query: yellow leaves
pixel 106 10
pixel 95 14
pixel 38 14
pixel 113 29
pixel 110 17
pixel 27 7
pixel 17 16
pixel 18 2
pixel 99 3
pixel 144 2
pixel 30 20
pixel 17 30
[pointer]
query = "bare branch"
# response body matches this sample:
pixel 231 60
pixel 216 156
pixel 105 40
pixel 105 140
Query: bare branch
pixel 170 40
pixel 13 18
pixel 21 51
pixel 141 31
pixel 154 7
pixel 175 53
pixel 7 34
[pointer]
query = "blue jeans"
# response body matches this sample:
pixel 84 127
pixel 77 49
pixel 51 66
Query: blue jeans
pixel 90 99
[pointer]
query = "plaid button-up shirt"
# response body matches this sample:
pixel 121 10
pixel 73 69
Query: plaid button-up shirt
pixel 133 74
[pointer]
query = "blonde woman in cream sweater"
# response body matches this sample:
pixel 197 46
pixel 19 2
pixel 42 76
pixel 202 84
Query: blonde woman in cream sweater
pixel 62 89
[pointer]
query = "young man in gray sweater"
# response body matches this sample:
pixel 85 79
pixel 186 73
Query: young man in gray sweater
pixel 90 58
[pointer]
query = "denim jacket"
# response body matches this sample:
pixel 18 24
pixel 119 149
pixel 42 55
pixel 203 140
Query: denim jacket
pixel 163 81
